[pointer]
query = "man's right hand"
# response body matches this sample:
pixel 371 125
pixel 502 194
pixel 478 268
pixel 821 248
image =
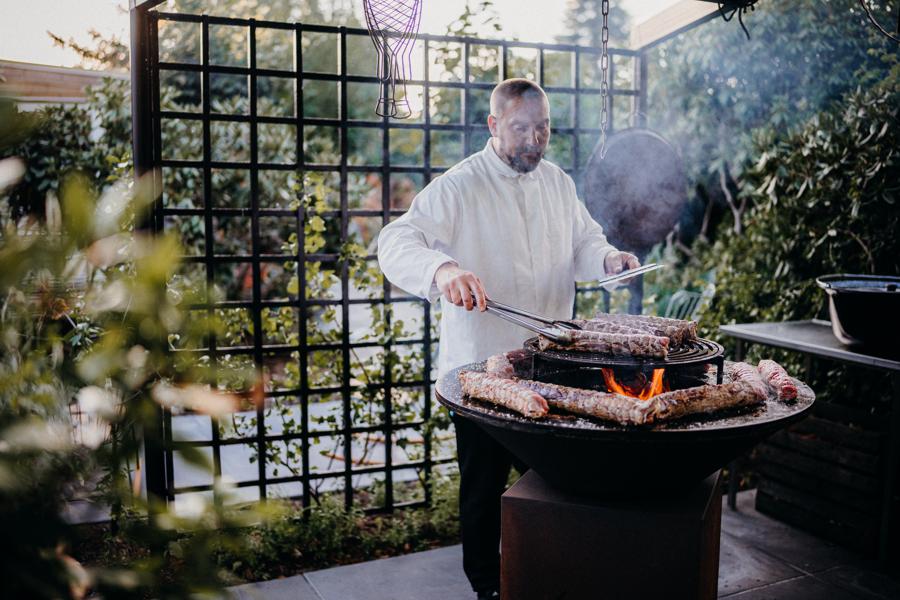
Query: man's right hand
pixel 458 286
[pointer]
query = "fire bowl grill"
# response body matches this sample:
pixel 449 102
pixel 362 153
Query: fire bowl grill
pixel 605 459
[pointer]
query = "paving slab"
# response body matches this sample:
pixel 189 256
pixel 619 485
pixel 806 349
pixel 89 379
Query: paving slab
pixel 803 550
pixel 866 583
pixel 431 575
pixel 289 588
pixel 806 587
pixel 760 559
pixel 743 567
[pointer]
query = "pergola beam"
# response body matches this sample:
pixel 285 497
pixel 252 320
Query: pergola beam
pixel 672 21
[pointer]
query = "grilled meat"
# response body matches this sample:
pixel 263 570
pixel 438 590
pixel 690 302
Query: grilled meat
pixel 677 330
pixel 748 375
pixel 503 392
pixel 591 403
pixel 514 363
pixel 499 365
pixel 778 379
pixel 702 399
pixel 616 344
pixel 609 327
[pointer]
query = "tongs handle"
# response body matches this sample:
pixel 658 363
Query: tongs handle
pixel 532 316
pixel 556 334
pixel 630 273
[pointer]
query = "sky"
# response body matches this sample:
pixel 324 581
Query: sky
pixel 23 24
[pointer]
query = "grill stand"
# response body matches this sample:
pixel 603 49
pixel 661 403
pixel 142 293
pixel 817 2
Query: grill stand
pixel 559 545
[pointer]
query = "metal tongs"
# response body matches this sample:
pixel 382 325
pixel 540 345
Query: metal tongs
pixel 555 330
pixel 630 273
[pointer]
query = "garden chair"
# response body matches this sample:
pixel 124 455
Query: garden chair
pixel 689 305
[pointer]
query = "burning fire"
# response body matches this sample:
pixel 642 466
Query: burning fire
pixel 641 389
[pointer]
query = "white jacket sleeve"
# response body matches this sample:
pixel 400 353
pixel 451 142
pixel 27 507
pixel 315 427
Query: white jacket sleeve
pixel 590 246
pixel 412 248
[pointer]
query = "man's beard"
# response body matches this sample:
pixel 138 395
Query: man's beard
pixel 521 163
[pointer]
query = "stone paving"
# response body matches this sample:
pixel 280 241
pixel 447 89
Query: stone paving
pixel 761 559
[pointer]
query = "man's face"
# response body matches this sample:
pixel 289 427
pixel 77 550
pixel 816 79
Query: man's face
pixel 522 132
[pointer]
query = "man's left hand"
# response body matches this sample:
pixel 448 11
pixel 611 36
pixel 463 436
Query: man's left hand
pixel 616 262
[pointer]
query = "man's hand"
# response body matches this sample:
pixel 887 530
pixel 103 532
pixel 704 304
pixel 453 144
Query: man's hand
pixel 458 286
pixel 616 262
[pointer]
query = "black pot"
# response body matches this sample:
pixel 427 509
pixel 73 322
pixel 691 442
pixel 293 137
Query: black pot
pixel 865 309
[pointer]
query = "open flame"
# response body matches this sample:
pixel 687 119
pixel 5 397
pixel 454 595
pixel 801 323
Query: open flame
pixel 641 388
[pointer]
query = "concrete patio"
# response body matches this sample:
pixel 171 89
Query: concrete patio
pixel 761 559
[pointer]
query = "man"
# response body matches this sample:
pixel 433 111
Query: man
pixel 503 224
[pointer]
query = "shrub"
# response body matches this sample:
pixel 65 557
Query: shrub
pixel 823 200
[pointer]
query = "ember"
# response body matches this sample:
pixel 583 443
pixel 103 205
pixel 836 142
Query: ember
pixel 640 388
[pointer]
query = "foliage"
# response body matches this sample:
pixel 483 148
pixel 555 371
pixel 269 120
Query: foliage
pixel 102 53
pixel 711 88
pixel 823 200
pixel 584 20
pixel 94 138
pixel 84 330
pixel 327 534
pixel 293 539
pixel 106 118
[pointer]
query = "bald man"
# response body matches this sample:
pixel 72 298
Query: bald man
pixel 502 224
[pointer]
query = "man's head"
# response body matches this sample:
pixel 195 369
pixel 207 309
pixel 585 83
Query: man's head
pixel 520 123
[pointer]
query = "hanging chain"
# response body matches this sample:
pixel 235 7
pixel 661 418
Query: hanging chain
pixel 604 75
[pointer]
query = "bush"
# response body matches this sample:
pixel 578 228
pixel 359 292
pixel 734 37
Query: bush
pixel 823 200
pixel 326 534
pixel 84 324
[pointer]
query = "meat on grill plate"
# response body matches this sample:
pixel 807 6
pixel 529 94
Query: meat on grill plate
pixel 609 327
pixel 499 365
pixel 743 391
pixel 591 403
pixel 703 399
pixel 504 392
pixel 778 379
pixel 677 330
pixel 748 374
pixel 616 344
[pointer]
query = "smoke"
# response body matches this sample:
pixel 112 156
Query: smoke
pixel 713 93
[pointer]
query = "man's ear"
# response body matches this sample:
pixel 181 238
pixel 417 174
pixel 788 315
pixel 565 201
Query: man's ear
pixel 492 125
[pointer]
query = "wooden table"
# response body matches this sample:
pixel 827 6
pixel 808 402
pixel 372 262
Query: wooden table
pixel 815 339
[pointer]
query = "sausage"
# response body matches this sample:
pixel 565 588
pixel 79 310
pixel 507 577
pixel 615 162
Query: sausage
pixel 702 399
pixel 616 344
pixel 503 392
pixel 778 379
pixel 591 403
pixel 747 374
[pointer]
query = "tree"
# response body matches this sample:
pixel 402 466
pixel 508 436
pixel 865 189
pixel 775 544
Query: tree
pixel 711 88
pixel 102 53
pixel 584 20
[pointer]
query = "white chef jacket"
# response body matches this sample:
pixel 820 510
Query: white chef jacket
pixel 525 235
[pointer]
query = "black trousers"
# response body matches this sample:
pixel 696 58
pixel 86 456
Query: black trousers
pixel 484 470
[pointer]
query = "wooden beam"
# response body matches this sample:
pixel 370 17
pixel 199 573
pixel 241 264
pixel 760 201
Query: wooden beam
pixel 671 21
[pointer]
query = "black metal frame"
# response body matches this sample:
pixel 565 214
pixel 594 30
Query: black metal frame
pixel 147 119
